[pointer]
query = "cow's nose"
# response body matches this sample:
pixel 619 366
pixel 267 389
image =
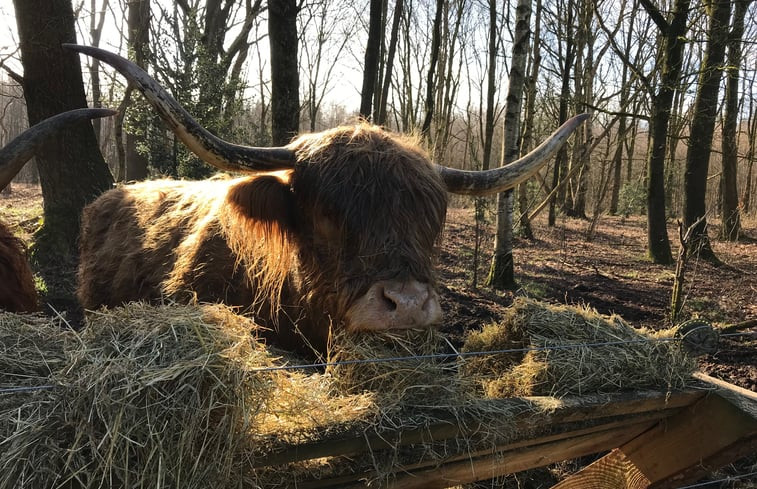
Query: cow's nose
pixel 394 304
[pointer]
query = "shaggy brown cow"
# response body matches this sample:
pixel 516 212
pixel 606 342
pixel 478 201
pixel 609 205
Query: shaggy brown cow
pixel 17 292
pixel 340 232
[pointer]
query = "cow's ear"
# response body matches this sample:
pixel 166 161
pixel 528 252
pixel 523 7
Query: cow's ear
pixel 265 199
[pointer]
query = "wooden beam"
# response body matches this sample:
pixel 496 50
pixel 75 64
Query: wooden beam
pixel 678 450
pixel 502 463
pixel 594 408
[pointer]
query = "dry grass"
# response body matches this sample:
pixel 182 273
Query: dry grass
pixel 621 358
pixel 183 396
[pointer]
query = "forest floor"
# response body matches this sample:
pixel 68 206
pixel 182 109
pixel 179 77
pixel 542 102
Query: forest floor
pixel 609 273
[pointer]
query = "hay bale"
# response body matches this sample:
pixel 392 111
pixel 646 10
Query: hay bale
pixel 185 396
pixel 150 397
pixel 624 360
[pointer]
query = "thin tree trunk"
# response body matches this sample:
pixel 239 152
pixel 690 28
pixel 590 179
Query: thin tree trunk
pixel 135 164
pixel 702 128
pixel 431 76
pixel 658 244
pixel 501 272
pixel 371 63
pixel 528 128
pixel 285 80
pixel 730 206
pixel 561 160
pixel 398 7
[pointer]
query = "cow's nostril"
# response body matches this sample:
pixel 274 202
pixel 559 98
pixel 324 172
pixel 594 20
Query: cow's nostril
pixel 389 302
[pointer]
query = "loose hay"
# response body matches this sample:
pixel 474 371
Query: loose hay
pixel 149 397
pixel 183 396
pixel 605 354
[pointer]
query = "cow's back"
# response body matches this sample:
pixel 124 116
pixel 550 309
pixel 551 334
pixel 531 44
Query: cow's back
pixel 155 240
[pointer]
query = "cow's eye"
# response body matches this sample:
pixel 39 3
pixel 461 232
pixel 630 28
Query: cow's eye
pixel 325 229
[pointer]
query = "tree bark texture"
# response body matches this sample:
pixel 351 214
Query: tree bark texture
pixel 138 22
pixel 501 272
pixel 431 76
pixel 730 217
pixel 658 244
pixel 702 128
pixel 371 63
pixel 285 81
pixel 71 168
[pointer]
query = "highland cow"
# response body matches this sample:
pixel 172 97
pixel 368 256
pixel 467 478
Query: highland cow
pixel 17 291
pixel 336 229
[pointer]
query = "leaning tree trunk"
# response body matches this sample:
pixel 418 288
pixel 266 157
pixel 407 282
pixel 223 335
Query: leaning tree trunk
pixel 702 128
pixel 71 169
pixel 285 79
pixel 501 273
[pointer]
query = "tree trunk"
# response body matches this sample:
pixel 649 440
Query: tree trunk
pixel 491 87
pixel 139 44
pixel 71 169
pixel 730 205
pixel 371 64
pixel 381 112
pixel 501 272
pixel 658 243
pixel 431 76
pixel 702 128
pixel 750 157
pixel 561 160
pixel 528 128
pixel 285 80
pixel 95 30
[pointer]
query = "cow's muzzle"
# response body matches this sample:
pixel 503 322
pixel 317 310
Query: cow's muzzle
pixel 394 304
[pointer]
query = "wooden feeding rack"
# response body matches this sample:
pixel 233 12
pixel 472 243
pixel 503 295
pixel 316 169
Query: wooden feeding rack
pixel 654 439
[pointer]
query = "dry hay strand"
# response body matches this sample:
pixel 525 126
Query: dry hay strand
pixel 637 360
pixel 32 347
pixel 150 397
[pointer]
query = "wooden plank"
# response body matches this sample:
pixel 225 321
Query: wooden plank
pixel 678 450
pixel 569 410
pixel 613 471
pixel 640 420
pixel 502 463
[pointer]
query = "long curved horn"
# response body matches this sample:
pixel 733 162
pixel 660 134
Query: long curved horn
pixel 17 152
pixel 509 176
pixel 211 149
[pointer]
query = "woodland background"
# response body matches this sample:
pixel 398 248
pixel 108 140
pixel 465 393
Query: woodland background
pixel 669 85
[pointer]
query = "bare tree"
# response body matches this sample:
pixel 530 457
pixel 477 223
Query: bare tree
pixel 729 207
pixel 285 81
pixel 501 273
pixel 702 128
pixel 71 168
pixel 380 110
pixel 372 53
pixel 431 74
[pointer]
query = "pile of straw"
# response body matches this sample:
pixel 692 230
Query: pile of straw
pixel 185 396
pixel 604 354
pixel 146 397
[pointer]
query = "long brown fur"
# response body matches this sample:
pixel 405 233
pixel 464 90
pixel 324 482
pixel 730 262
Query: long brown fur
pixel 295 248
pixel 17 291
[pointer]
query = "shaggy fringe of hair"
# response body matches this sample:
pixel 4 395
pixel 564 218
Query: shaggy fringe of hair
pixel 256 230
pixel 17 292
